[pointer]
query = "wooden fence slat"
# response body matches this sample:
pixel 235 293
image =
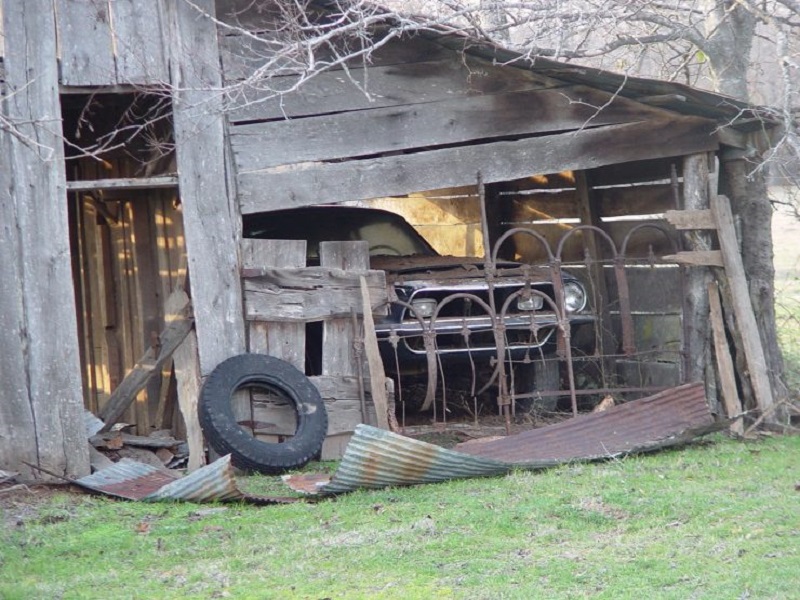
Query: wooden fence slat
pixel 286 341
pixel 498 161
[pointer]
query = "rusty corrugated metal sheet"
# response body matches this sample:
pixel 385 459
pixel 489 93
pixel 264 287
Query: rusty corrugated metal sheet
pixel 375 458
pixel 133 480
pixel 214 482
pixel 127 479
pixel 652 422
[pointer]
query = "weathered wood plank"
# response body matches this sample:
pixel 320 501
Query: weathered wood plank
pixel 722 353
pixel 499 161
pixel 243 55
pixel 87 51
pixel 691 219
pixel 635 200
pixel 696 258
pixel 286 341
pixel 411 83
pixel 274 416
pixel 310 294
pixel 212 236
pixel 377 376
pixel 140 54
pixel 41 401
pixel 743 307
pixel 152 361
pixel 259 146
pixel 338 350
pixel 130 183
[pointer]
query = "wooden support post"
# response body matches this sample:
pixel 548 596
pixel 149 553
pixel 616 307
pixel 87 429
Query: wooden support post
pixel 589 215
pixel 743 308
pixel 209 211
pixel 696 309
pixel 41 399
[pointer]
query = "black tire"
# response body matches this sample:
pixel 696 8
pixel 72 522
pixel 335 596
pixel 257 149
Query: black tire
pixel 540 375
pixel 226 436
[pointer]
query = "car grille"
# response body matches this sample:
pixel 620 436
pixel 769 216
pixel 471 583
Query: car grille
pixel 464 307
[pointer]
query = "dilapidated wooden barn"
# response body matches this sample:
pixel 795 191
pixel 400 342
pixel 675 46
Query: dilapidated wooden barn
pixel 135 136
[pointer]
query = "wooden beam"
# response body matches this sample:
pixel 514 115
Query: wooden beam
pixel 727 377
pixel 499 161
pixel 743 307
pixel 41 399
pixel 152 361
pixel 209 210
pixel 128 183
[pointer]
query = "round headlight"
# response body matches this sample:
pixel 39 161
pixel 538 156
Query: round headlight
pixel 424 307
pixel 574 296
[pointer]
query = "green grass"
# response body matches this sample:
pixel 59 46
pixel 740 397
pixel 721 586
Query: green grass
pixel 717 520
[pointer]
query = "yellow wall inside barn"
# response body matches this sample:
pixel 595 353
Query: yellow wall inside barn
pixel 450 219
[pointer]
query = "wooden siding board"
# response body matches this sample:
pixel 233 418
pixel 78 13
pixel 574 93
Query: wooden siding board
pixel 361 133
pixel 242 55
pixel 212 240
pixel 498 161
pixel 87 50
pixel 41 341
pixel 139 43
pixel 395 85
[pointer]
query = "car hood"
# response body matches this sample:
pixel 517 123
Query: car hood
pixel 406 268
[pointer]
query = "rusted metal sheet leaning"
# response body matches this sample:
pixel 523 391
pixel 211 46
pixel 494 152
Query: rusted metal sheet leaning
pixel 376 458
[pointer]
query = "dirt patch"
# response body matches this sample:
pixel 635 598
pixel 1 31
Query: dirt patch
pixel 21 503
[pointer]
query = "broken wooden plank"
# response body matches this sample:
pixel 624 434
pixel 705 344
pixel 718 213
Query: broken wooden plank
pixel 697 258
pixel 691 219
pixel 743 307
pixel 727 376
pixel 140 441
pixel 377 376
pixel 498 161
pixel 152 361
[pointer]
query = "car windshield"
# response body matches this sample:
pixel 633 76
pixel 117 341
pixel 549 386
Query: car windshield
pixel 386 233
